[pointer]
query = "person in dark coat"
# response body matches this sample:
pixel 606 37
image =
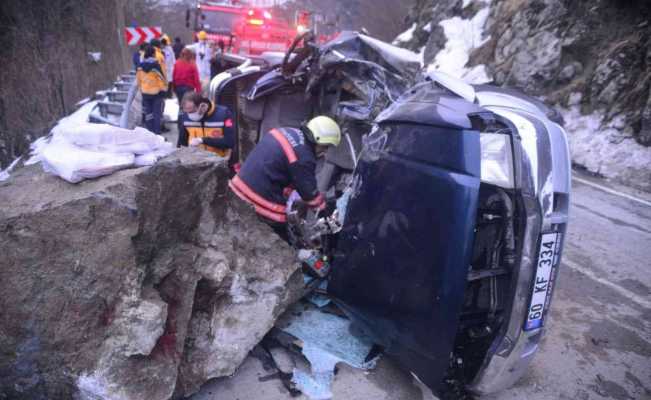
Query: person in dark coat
pixel 285 158
pixel 177 47
pixel 137 55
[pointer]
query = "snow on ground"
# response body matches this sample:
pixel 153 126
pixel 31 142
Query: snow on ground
pixel 463 36
pixel 604 148
pixel 82 102
pixel 76 118
pixel 4 174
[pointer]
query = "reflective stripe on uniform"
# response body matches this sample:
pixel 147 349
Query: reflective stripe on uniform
pixel 216 124
pixel 286 146
pixel 267 209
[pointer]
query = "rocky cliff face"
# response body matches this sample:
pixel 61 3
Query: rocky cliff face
pixel 140 285
pixel 46 66
pixel 592 60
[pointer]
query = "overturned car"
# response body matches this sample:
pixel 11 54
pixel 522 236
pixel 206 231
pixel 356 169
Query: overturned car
pixel 453 202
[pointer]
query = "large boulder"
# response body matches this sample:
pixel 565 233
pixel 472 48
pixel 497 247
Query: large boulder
pixel 139 285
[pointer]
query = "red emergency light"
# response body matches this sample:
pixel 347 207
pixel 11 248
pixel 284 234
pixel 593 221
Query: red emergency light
pixel 257 17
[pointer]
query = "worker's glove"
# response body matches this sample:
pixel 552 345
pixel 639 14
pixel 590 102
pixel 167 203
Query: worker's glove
pixel 196 141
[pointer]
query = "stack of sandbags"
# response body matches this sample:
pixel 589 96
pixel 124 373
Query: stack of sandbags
pixel 87 150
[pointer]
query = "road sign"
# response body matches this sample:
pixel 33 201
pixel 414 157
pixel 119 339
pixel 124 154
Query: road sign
pixel 141 34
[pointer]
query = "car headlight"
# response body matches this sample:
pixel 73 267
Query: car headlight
pixel 496 159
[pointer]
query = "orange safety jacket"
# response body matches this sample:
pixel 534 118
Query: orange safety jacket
pixel 216 129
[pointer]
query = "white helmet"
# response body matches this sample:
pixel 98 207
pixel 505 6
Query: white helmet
pixel 325 130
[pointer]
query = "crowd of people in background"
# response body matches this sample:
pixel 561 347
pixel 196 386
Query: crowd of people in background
pixel 165 69
pixel 284 157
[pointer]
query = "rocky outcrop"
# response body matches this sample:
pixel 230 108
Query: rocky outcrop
pixel 139 285
pixel 598 52
pixel 593 57
pixel 47 63
pixel 427 35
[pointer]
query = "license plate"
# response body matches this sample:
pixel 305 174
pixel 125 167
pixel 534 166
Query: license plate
pixel 543 283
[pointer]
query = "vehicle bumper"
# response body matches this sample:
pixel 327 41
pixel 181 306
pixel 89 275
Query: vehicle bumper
pixel 543 199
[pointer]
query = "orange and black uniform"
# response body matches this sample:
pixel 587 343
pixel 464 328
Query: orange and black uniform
pixel 283 158
pixel 216 129
pixel 153 85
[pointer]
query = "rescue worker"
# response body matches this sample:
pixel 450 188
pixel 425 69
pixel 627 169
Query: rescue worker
pixel 153 86
pixel 285 157
pixel 160 57
pixel 206 125
pixel 203 53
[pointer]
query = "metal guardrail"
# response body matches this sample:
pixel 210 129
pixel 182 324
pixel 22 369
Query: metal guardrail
pixel 107 107
pixel 123 86
pixel 117 96
pixel 131 94
pixel 113 105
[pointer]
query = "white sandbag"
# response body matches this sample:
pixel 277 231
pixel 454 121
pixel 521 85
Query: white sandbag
pixel 107 138
pixel 150 158
pixel 89 150
pixel 144 160
pixel 75 164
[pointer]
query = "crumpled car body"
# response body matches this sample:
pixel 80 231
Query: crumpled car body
pixel 457 207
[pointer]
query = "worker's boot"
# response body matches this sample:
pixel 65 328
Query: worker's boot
pixel 315 263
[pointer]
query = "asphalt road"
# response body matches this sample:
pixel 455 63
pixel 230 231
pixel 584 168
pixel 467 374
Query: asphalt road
pixel 597 343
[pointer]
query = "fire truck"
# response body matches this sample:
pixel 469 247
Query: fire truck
pixel 243 29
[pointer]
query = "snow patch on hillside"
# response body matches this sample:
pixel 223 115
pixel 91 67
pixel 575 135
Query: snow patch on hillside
pixel 604 147
pixel 463 36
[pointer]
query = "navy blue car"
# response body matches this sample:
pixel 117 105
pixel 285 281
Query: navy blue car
pixel 457 205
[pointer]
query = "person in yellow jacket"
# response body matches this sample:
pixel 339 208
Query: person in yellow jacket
pixel 160 57
pixel 153 85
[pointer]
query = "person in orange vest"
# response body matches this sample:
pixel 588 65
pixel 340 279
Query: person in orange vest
pixel 160 57
pixel 206 125
pixel 153 85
